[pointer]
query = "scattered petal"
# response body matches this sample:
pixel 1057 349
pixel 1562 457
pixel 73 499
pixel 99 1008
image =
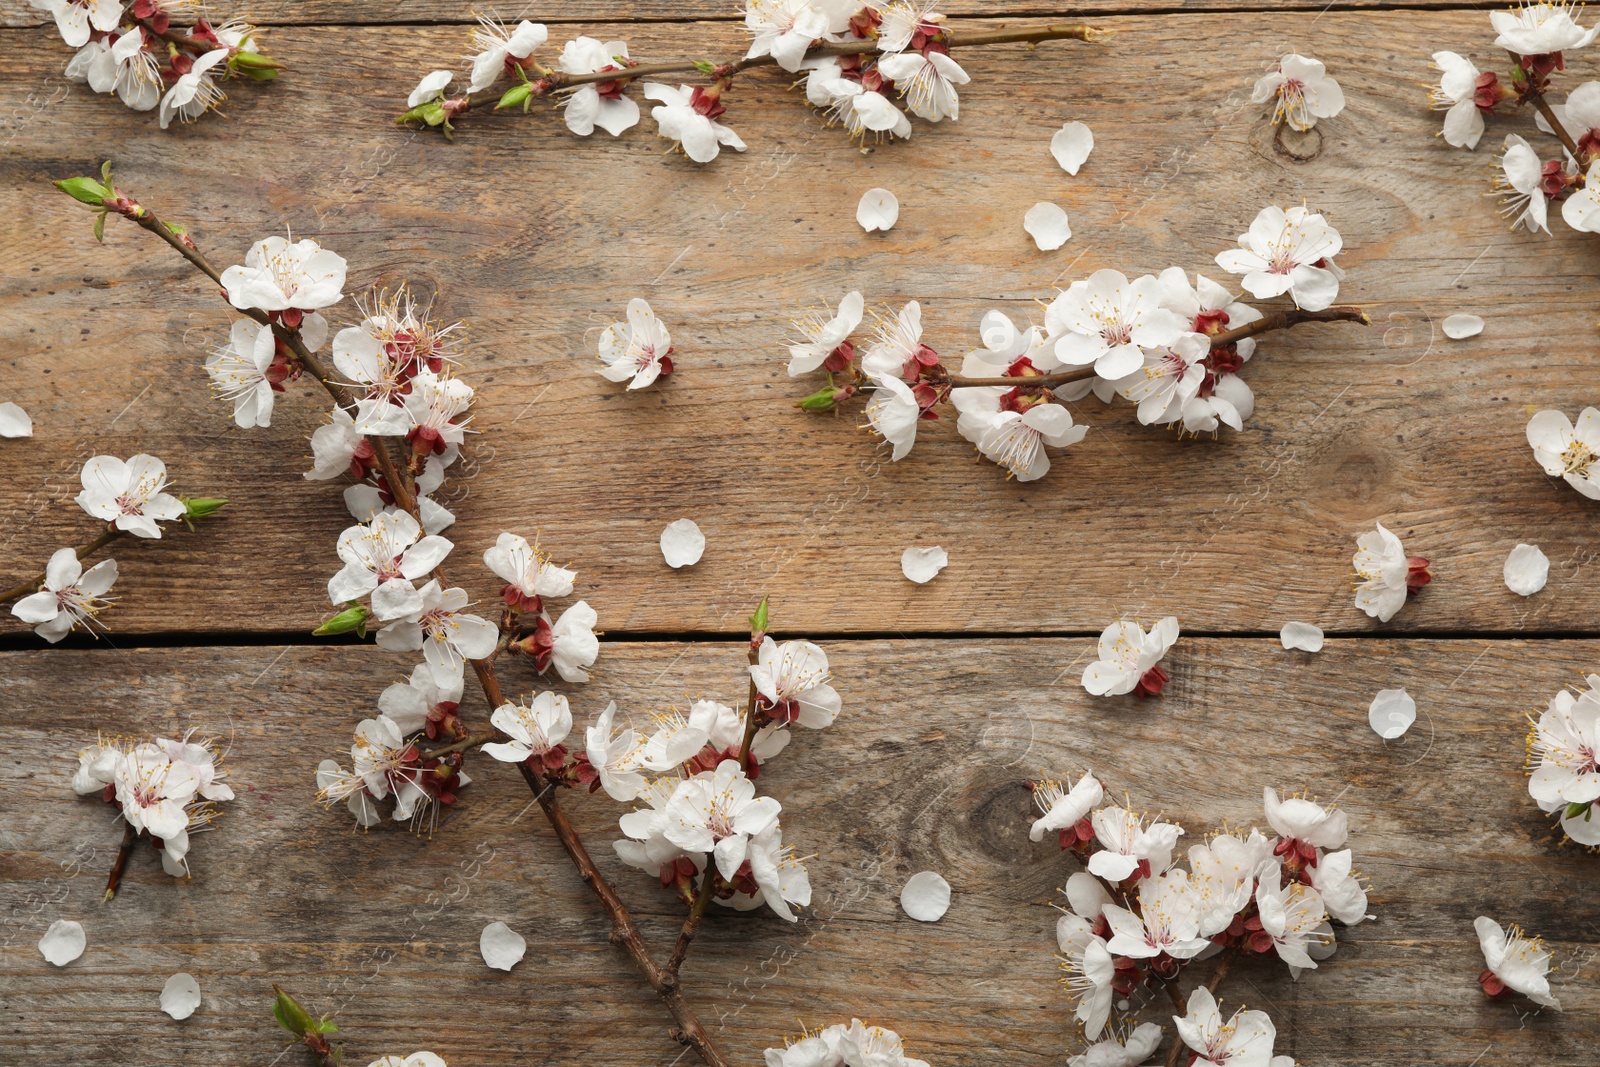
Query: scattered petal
pixel 63 942
pixel 878 210
pixel 1301 635
pixel 682 543
pixel 1392 713
pixel 180 996
pixel 502 947
pixel 1457 327
pixel 926 897
pixel 14 422
pixel 1047 224
pixel 1071 145
pixel 1527 569
pixel 922 565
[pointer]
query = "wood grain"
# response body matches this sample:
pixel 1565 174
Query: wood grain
pixel 923 770
pixel 538 240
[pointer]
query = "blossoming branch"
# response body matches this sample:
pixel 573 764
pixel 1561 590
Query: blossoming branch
pixel 1173 346
pixel 857 60
pixel 137 52
pixel 1537 37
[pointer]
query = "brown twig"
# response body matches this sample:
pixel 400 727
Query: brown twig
pixel 1534 95
pixel 1275 320
pixel 33 585
pixel 470 741
pixel 114 879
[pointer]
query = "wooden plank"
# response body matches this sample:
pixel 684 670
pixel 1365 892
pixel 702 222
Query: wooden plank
pixel 538 240
pixel 923 770
pixel 297 13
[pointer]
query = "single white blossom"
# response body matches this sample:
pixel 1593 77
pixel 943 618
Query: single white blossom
pixel 893 413
pixel 1299 819
pixel 683 118
pixel 446 635
pixel 1245 1040
pixel 1539 29
pixel 1516 961
pixel 238 372
pixel 792 681
pixel 1131 1051
pixel 864 113
pixel 785 29
pixel 615 756
pixel 1293 915
pixel 927 81
pixel 69 597
pixel 1107 320
pixel 822 336
pixel 196 91
pixel 333 446
pixel 1303 90
pixel 527 572
pixel 1521 185
pixel 718 812
pixel 384 558
pixel 1567 451
pixel 1168 920
pixel 1383 570
pixel 494 45
pixel 574 646
pixel 431 87
pixel 278 275
pixel 637 351
pixel 129 494
pixel 1130 659
pixel 1287 252
pixel 534 728
pixel 599 104
pixel 1063 808
pixel 434 407
pixel 1128 848
pixel 1457 96
pixel 75 18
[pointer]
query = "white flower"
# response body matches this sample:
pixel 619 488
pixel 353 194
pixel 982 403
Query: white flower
pixel 1521 183
pixel 70 596
pixel 1304 92
pixel 822 337
pixel 534 728
pixel 927 81
pixel 1292 915
pixel 1012 439
pixel 412 703
pixel 1300 820
pixel 445 634
pixel 383 764
pixel 781 876
pixel 1170 380
pixel 416 1059
pixel 784 29
pixel 574 645
pixel 1342 893
pixel 195 92
pixel 792 679
pixel 431 87
pixel 394 341
pixel 1383 569
pixel 1128 848
pixel 718 812
pixel 198 758
pixel 637 351
pixel 1457 96
pixel 1085 959
pixel 278 275
pixel 615 757
pixel 893 413
pixel 1222 875
pixel 1063 808
pixel 1562 752
pixel 238 372
pixel 1206 306
pixel 688 116
pixel 529 575
pixel 1287 252
pixel 432 407
pixel 1581 210
pixel 129 495
pixel 1130 659
pixel 903 20
pixel 1131 1051
pixel 333 447
pixel 155 792
pixel 1566 451
pixel 75 17
pixel 895 343
pixel 384 558
pixel 334 783
pixel 495 45
pixel 1515 961
pixel 1539 29
pixel 600 104
pixel 126 68
pixel 1107 320
pixel 1167 921
pixel 1580 114
pixel 1245 1040
pixel 863 112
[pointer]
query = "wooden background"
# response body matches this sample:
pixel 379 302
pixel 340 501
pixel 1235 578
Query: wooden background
pixel 955 693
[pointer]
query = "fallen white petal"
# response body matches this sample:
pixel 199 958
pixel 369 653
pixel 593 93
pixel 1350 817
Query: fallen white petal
pixel 926 897
pixel 180 996
pixel 63 942
pixel 922 565
pixel 502 947
pixel 1457 327
pixel 878 210
pixel 682 543
pixel 1301 635
pixel 1047 224
pixel 1071 145
pixel 1392 713
pixel 1527 569
pixel 14 422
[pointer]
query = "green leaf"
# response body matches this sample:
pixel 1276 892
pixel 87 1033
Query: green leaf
pixel 821 400
pixel 352 618
pixel 758 621
pixel 84 191
pixel 517 94
pixel 291 1016
pixel 1576 809
pixel 431 113
pixel 100 227
pixel 105 174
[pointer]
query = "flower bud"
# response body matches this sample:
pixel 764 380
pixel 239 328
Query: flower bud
pixel 517 94
pixel 351 618
pixel 84 191
pixel 198 507
pixel 821 400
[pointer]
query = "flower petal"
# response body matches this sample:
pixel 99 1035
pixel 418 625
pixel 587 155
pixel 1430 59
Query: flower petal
pixel 682 543
pixel 1071 145
pixel 926 897
pixel 922 565
pixel 1047 224
pixel 879 210
pixel 502 947
pixel 1391 713
pixel 1527 569
pixel 180 996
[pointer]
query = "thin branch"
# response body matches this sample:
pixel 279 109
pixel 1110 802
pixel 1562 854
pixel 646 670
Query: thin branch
pixel 1535 95
pixel 114 879
pixel 1276 320
pixel 33 585
pixel 470 741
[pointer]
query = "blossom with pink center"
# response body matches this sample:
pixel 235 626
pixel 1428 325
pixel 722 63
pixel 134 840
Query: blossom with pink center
pixel 1109 321
pixel 70 596
pixel 129 494
pixel 445 633
pixel 1303 91
pixel 384 558
pixel 718 812
pixel 637 351
pixel 1288 252
pixel 1167 921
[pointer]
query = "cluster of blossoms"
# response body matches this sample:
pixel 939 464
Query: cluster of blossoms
pixel 136 52
pixel 1563 750
pixel 855 1045
pixel 1134 918
pixel 1171 345
pixel 165 790
pixel 858 60
pixel 1538 36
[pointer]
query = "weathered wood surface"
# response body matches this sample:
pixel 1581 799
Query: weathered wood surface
pixel 923 770
pixel 295 13
pixel 538 239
